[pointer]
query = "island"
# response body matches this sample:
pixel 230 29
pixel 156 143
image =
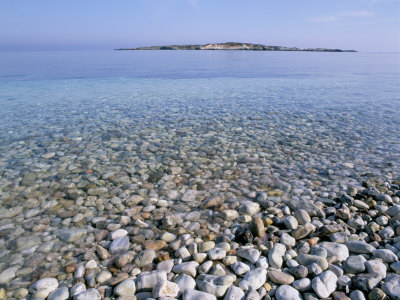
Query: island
pixel 235 46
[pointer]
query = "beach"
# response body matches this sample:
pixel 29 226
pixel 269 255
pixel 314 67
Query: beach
pixel 174 183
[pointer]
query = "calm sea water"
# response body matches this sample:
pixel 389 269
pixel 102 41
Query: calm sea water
pixel 66 93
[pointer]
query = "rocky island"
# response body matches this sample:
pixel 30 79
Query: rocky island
pixel 235 46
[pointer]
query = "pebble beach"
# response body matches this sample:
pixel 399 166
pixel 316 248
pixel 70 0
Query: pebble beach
pixel 127 191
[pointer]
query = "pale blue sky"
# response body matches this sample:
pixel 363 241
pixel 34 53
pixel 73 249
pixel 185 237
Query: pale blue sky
pixel 365 25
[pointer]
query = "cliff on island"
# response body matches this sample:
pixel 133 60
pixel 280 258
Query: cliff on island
pixel 235 46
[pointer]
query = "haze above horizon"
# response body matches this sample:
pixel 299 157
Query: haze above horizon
pixel 364 25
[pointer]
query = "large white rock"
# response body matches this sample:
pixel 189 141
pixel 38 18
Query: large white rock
pixel 149 280
pixel 43 287
pixel 188 268
pixel 254 279
pixel 165 288
pixel 185 282
pixel 197 295
pixel 325 284
pixel 90 294
pixel 335 250
pixel 286 292
pixel 275 255
pixel 125 288
pixel 234 293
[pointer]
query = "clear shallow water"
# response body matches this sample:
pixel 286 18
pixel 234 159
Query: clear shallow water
pixel 72 93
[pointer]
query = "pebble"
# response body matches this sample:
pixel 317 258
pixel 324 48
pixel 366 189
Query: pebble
pixel 185 282
pixel 90 294
pixel 275 255
pixel 197 295
pixel 240 268
pixel 125 288
pixel 254 279
pixel 59 294
pixel 279 277
pixel 325 284
pixel 234 293
pixel 149 280
pixel 249 252
pixel 43 287
pixel 286 292
pixel 119 245
pixel 216 253
pixel 145 258
pixel 188 268
pixel 165 288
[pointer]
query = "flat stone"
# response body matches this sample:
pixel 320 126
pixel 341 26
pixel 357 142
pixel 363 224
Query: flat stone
pixel 287 240
pixel 119 245
pixel 376 267
pixel 165 266
pixel 298 271
pixel 118 234
pixel 249 208
pixel 366 281
pixel 391 286
pixel 302 216
pixel 188 268
pixel 70 235
pixel 275 255
pixel 303 231
pixel 145 258
pixel 307 259
pixel 43 287
pixel 325 284
pixel 197 295
pixel 279 277
pixel 393 211
pixel 230 214
pixel 354 264
pixel 240 268
pixel 155 245
pixel 385 254
pixel 8 274
pixel 308 206
pixel 302 285
pixel 59 294
pixel 166 288
pixel 286 292
pixel 216 253
pixel 148 280
pixel 103 276
pixel 396 267
pixel 234 293
pixel 125 288
pixel 185 282
pixel 336 252
pixel 257 227
pixel 77 288
pixel 357 295
pixel 254 279
pixel 168 237
pixel 249 252
pixel 206 246
pixel 359 247
pixel 290 222
pixel 215 285
pixel 90 294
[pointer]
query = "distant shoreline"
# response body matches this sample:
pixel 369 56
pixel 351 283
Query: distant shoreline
pixel 235 46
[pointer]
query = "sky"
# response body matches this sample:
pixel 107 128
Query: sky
pixel 364 25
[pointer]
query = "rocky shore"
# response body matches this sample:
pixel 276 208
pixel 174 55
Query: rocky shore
pixel 347 247
pixel 150 195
